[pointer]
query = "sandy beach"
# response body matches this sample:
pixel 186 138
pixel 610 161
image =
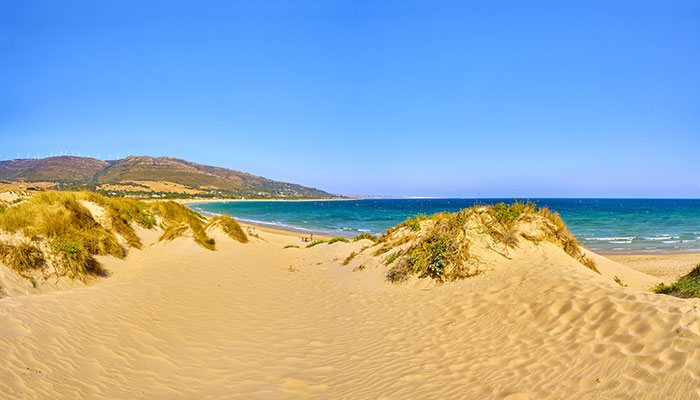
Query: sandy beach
pixel 343 200
pixel 258 320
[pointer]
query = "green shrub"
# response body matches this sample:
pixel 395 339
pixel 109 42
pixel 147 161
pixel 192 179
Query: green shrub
pixel 382 250
pixel 414 222
pixel 686 287
pixel 441 253
pixel 338 239
pixel 291 246
pixel 315 242
pixel 391 258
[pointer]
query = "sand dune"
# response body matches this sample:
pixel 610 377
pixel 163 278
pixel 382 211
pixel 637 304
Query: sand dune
pixel 255 320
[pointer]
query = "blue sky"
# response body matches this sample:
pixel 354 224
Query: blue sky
pixel 435 98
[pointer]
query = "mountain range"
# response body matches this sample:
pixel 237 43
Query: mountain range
pixel 143 175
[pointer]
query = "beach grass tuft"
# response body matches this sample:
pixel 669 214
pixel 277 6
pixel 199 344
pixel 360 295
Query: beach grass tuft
pixel 349 258
pixel 179 220
pixel 686 287
pixel 367 236
pixel 442 251
pixel 74 237
pixel 338 239
pixel 22 257
pixel 230 227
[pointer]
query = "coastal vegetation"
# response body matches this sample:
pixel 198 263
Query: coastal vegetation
pixel 349 258
pixel 687 286
pixel 230 227
pixel 179 220
pixel 443 249
pixel 64 231
pixel 330 241
pixel 367 236
pixel 22 257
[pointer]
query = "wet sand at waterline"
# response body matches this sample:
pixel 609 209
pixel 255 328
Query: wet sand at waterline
pixel 256 320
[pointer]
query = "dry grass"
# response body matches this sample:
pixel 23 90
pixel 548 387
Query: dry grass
pixel 123 213
pixel 367 236
pixel 230 227
pixel 73 233
pixel 557 232
pixel 176 216
pixel 22 257
pixel 74 237
pixel 507 216
pixel 443 251
pixel 349 258
pixel 589 263
pixel 412 223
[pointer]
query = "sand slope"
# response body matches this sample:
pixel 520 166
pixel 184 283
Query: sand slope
pixel 248 321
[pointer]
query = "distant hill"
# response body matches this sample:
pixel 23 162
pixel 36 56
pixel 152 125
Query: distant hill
pixel 142 175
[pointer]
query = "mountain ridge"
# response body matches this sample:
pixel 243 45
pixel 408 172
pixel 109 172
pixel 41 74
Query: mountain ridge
pixel 139 175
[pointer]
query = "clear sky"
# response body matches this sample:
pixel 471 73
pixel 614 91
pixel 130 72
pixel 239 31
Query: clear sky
pixel 434 98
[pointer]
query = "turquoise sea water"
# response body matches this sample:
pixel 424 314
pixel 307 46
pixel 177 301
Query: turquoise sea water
pixel 603 225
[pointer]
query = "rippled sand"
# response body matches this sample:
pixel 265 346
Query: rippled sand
pixel 249 321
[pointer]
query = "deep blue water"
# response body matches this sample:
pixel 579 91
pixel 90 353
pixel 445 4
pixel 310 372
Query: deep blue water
pixel 604 225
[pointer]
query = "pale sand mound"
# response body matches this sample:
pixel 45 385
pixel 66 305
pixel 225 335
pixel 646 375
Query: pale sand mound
pixel 255 320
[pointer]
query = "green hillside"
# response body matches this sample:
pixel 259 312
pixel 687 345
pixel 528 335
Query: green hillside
pixel 129 174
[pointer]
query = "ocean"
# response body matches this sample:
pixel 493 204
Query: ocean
pixel 602 225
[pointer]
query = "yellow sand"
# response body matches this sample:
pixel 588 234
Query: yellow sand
pixel 254 320
pixel 667 267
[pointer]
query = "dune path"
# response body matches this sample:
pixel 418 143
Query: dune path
pixel 176 321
